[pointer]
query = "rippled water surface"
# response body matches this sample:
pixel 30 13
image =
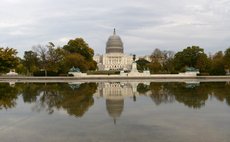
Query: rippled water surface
pixel 115 112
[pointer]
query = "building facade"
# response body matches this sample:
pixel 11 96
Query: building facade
pixel 114 58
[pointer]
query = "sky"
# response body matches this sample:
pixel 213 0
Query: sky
pixel 143 25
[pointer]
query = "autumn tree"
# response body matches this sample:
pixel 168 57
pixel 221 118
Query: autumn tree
pixel 157 55
pixel 8 59
pixel 50 57
pixel 157 58
pixel 161 61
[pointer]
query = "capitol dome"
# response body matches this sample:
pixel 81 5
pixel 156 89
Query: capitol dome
pixel 114 44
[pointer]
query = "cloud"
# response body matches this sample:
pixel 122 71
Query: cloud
pixel 143 25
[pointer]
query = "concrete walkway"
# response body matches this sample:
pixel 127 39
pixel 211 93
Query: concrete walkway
pixel 114 78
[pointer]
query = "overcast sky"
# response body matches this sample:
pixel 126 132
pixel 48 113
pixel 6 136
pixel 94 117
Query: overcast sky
pixel 143 25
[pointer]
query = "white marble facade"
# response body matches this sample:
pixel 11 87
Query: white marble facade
pixel 114 58
pixel 117 61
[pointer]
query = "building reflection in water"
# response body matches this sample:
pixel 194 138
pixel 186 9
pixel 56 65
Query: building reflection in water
pixel 114 94
pixel 77 98
pixel 115 107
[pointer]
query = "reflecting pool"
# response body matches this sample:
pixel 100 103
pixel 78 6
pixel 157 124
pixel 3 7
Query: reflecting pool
pixel 115 112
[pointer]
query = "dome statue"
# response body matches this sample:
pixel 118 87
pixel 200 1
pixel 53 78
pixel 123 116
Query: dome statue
pixel 114 44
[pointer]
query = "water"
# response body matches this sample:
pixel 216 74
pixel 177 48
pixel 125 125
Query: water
pixel 114 111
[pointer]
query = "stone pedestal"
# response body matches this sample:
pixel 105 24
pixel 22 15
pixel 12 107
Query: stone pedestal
pixel 134 71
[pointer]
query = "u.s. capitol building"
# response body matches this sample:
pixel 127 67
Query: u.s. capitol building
pixel 114 58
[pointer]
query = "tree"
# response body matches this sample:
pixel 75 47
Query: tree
pixel 55 57
pixel 227 59
pixel 8 59
pixel 20 69
pixel 79 46
pixel 79 55
pixel 155 67
pixel 41 51
pixel 161 61
pixel 217 64
pixel 76 60
pixel 50 57
pixel 157 55
pixel 191 57
pixel 168 65
pixel 203 63
pixel 30 61
pixel 142 64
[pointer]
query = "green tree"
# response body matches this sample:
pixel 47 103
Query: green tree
pixel 76 60
pixel 142 64
pixel 79 46
pixel 8 59
pixel 217 64
pixel 55 57
pixel 79 55
pixel 203 63
pixel 191 57
pixel 227 59
pixel 21 68
pixel 30 61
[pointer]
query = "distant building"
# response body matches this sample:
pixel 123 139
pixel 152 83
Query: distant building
pixel 114 58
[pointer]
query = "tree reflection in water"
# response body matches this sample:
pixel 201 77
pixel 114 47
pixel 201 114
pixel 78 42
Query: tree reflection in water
pixel 191 95
pixel 159 93
pixel 76 99
pixel 49 97
pixel 221 91
pixel 8 96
